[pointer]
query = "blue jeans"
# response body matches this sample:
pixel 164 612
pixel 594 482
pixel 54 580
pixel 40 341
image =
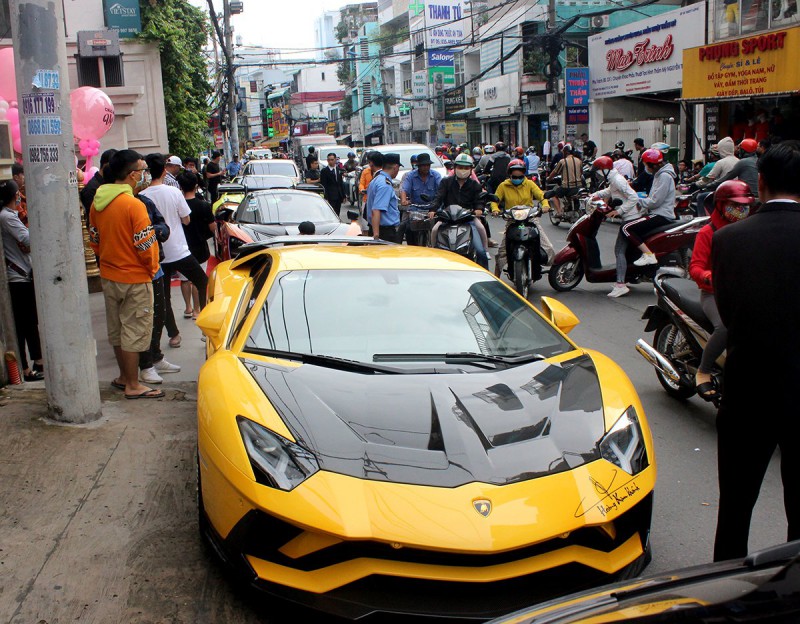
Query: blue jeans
pixel 480 251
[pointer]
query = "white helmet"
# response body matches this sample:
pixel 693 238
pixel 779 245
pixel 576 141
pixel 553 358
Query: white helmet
pixel 489 149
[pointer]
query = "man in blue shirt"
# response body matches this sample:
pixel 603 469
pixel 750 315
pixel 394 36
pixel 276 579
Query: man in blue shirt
pixel 421 181
pixel 383 213
pixel 532 161
pixel 234 167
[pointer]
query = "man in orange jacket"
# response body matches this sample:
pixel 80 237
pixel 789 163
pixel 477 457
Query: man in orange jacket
pixel 122 237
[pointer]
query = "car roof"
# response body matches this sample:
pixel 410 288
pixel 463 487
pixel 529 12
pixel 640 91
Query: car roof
pixel 283 191
pixel 366 257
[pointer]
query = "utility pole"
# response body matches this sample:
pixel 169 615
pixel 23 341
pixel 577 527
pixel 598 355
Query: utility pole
pixel 62 294
pixel 233 117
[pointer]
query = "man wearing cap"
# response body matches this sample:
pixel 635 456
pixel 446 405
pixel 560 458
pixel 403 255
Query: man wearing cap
pixel 234 167
pixel 421 181
pixel 383 213
pixel 173 168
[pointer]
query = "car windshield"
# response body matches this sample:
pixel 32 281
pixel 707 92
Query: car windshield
pixel 360 314
pixel 284 208
pixel 407 152
pixel 271 167
pixel 341 152
pixel 259 182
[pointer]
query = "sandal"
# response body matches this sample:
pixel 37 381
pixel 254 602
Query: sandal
pixel 175 341
pixel 34 375
pixel 707 391
pixel 117 385
pixel 147 394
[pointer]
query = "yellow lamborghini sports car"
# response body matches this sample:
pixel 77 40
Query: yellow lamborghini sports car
pixel 385 428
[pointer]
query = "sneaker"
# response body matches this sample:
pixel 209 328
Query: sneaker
pixel 647 258
pixel 165 367
pixel 150 376
pixel 619 290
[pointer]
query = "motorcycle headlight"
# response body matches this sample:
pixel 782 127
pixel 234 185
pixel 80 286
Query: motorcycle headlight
pixel 276 461
pixel 623 445
pixel 520 214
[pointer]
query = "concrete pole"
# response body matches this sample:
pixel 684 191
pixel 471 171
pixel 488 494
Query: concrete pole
pixel 62 294
pixel 233 117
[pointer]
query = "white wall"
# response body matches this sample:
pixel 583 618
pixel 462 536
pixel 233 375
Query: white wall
pixel 318 78
pixel 83 15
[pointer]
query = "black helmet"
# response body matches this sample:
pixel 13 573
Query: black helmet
pixel 620 145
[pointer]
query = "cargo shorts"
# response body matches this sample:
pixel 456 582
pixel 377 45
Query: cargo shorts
pixel 129 315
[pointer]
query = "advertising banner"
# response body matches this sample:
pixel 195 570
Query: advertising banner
pixel 744 67
pixel 123 16
pixel 577 86
pixel 455 127
pixel 577 115
pixel 443 20
pixel 646 56
pixel 419 88
pixel 455 101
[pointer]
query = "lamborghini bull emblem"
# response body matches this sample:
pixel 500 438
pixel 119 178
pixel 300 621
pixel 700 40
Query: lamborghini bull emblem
pixel 483 506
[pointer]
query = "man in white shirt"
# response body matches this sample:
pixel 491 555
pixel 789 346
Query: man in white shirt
pixel 623 165
pixel 173 168
pixel 173 207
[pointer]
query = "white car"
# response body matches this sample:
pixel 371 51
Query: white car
pixel 272 167
pixel 406 151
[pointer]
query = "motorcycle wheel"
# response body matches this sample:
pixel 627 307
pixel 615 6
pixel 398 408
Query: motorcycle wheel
pixel 566 275
pixel 554 218
pixel 522 278
pixel 669 341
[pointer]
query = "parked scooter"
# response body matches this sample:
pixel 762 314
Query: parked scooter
pixel 681 333
pixel 671 243
pixel 523 246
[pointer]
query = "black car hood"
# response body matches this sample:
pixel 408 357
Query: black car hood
pixel 444 430
pixel 263 232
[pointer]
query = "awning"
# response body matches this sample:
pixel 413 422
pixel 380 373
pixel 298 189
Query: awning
pixel 465 111
pixel 277 94
pixel 270 143
pixel 343 139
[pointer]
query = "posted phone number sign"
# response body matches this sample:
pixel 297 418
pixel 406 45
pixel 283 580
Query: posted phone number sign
pixel 43 153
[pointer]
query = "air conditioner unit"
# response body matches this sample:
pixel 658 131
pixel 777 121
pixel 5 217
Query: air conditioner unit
pixel 600 21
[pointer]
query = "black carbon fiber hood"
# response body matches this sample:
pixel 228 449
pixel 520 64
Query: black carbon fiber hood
pixel 445 429
pixel 264 232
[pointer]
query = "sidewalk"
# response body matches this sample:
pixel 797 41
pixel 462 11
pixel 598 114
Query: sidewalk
pixel 98 522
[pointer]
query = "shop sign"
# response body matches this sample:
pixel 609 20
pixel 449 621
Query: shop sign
pixel 577 87
pixel 455 127
pixel 441 58
pixel 454 101
pixel 419 87
pixel 577 115
pixel 448 74
pixel 498 97
pixel 645 57
pixel 712 124
pixel 123 16
pixel 745 67
pixel 443 20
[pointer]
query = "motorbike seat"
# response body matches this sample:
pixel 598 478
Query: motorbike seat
pixel 686 295
pixel 663 228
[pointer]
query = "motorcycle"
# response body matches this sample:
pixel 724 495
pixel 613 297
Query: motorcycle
pixel 455 232
pixel 523 246
pixel 671 243
pixel 681 333
pixel 573 205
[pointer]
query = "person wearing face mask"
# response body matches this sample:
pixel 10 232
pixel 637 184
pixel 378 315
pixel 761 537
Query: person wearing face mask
pixel 733 201
pixel 518 190
pixel 461 190
pixel 617 187
pixel 122 237
pixel 658 206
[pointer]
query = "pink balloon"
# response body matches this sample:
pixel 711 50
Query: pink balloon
pixel 17 143
pixel 15 132
pixel 8 81
pixel 3 112
pixel 12 114
pixel 92 113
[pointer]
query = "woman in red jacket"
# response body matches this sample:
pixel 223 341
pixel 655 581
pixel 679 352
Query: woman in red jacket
pixel 733 201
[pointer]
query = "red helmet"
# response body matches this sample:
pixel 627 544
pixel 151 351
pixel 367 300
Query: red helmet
pixel 516 165
pixel 603 162
pixel 519 151
pixel 748 145
pixel 733 200
pixel 652 156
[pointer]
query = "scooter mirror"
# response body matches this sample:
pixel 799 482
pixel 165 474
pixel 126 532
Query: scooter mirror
pixel 559 314
pixel 424 197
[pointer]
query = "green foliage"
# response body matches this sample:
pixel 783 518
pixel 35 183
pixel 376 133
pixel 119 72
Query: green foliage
pixel 346 109
pixel 181 32
pixel 534 61
pixel 342 31
pixel 390 36
pixel 344 72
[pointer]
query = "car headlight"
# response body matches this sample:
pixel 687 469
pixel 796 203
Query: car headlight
pixel 276 461
pixel 520 214
pixel 623 445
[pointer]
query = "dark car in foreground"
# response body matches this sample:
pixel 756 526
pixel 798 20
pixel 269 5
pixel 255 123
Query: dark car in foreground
pixel 763 587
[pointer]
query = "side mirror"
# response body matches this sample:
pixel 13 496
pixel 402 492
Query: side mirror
pixel 559 314
pixel 352 214
pixel 424 197
pixel 212 318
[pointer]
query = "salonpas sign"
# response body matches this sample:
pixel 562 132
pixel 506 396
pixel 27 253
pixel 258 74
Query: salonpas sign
pixel 646 56
pixel 123 16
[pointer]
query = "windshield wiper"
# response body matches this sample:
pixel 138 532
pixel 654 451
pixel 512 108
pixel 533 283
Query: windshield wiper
pixel 463 357
pixel 328 361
